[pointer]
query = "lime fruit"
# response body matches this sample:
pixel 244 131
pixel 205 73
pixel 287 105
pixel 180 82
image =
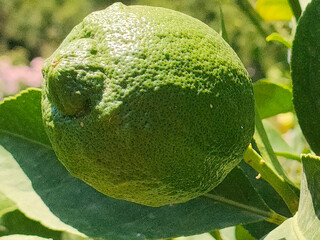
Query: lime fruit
pixel 147 105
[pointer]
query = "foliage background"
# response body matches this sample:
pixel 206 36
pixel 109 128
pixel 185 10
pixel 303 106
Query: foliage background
pixel 34 28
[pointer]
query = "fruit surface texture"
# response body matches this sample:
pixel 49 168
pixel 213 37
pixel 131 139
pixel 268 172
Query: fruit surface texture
pixel 147 105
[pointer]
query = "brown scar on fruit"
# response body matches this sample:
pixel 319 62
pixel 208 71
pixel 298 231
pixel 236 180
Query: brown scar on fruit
pixel 55 62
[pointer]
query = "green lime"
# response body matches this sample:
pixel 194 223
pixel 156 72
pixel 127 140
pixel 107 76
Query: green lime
pixel 147 105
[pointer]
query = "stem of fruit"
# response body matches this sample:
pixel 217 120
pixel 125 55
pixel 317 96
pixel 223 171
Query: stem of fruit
pixel 288 156
pixel 283 188
pixel 265 147
pixel 270 216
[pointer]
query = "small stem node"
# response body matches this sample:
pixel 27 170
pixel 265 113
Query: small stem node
pixel 252 158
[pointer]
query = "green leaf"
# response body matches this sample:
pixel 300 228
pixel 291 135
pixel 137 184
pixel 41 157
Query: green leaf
pixel 243 234
pixel 306 223
pixel 259 229
pixel 18 120
pixel 223 30
pixel 271 98
pixel 6 205
pixel 278 38
pixel 31 127
pixel 23 237
pixel 272 199
pixel 97 215
pixel 309 210
pixel 305 65
pixel 17 223
pixel 277 142
pixel 274 10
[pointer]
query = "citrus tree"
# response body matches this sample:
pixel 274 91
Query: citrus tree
pixel 148 126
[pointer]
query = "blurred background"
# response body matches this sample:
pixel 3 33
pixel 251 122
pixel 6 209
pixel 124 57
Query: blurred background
pixel 30 30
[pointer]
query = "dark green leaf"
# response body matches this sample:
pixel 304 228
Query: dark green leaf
pixel 260 229
pixel 296 8
pixel 271 98
pixel 97 215
pixel 306 223
pixel 17 223
pixel 270 196
pixel 305 65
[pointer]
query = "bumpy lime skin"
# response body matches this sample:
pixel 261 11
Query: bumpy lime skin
pixel 147 105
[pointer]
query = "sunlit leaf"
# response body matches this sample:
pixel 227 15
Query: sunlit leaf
pixel 278 38
pixel 205 236
pixel 271 98
pixel 23 237
pixel 277 142
pixel 274 10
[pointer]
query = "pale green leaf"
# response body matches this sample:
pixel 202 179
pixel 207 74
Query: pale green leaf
pixel 308 217
pixel 31 127
pixel 243 234
pixel 6 205
pixel 205 236
pixel 277 142
pixel 304 3
pixel 306 223
pixel 272 99
pixel 23 237
pixel 228 233
pixel 278 38
pixel 223 30
pixel 19 188
pixel 274 10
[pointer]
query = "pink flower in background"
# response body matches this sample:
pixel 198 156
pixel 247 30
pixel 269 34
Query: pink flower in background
pixel 12 76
